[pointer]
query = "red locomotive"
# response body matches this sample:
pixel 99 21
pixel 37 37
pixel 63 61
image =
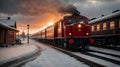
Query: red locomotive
pixel 72 32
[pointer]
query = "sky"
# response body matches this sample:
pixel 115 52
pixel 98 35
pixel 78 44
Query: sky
pixel 41 13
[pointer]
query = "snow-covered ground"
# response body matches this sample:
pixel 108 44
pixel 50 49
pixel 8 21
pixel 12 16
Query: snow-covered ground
pixel 52 58
pixel 15 52
pixel 103 62
pixel 106 50
pixel 107 56
pixel 100 61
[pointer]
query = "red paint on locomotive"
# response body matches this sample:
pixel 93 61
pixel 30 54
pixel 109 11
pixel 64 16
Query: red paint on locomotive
pixel 68 31
pixel 76 29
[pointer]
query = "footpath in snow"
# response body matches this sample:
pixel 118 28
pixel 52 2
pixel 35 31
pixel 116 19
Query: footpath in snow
pixel 16 52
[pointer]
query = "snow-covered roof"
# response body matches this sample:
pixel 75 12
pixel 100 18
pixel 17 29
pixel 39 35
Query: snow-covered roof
pixel 112 15
pixel 7 24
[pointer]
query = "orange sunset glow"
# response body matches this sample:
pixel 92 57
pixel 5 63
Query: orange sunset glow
pixel 38 13
pixel 38 24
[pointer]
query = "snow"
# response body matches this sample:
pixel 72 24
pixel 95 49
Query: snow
pixel 16 52
pixel 107 56
pixel 106 50
pixel 106 17
pixel 8 22
pixel 6 25
pixel 52 58
pixel 2 23
pixel 100 61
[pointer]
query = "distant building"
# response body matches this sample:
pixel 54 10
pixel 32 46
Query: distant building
pixel 23 35
pixel 7 32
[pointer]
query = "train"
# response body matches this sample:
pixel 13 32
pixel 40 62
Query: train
pixel 70 32
pixel 106 30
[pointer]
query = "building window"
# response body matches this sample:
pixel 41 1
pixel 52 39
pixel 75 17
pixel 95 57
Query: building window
pixel 112 25
pixel 104 26
pixel 98 27
pixel 92 28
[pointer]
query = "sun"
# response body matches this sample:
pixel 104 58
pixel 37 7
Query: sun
pixel 50 23
pixel 93 1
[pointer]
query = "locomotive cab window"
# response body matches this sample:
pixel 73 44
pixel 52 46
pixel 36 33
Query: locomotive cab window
pixel 112 25
pixel 77 20
pixel 81 21
pixel 104 26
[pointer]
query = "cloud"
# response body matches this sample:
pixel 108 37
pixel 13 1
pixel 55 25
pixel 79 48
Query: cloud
pixel 38 13
pixel 36 7
pixel 9 7
pixel 95 8
pixel 56 7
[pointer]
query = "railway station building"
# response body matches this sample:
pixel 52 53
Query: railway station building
pixel 7 32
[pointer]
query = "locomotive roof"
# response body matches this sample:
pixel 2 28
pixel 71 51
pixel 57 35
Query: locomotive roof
pixel 69 16
pixel 116 14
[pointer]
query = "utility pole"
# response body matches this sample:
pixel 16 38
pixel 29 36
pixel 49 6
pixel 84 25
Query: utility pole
pixel 28 33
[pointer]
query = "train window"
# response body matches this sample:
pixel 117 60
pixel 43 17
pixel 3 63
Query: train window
pixel 51 30
pixel 92 28
pixel 98 27
pixel 81 20
pixel 119 23
pixel 104 26
pixel 72 20
pixel 112 25
pixel 59 25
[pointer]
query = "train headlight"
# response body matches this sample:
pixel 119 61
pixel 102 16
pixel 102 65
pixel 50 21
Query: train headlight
pixel 70 33
pixel 87 33
pixel 79 25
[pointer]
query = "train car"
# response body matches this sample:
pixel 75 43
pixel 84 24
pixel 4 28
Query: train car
pixel 50 34
pixel 43 35
pixel 71 32
pixel 106 30
pixel 59 33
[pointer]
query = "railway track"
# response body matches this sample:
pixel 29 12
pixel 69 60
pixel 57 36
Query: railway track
pixel 92 63
pixel 103 58
pixel 109 47
pixel 81 59
pixel 93 54
pixel 105 53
